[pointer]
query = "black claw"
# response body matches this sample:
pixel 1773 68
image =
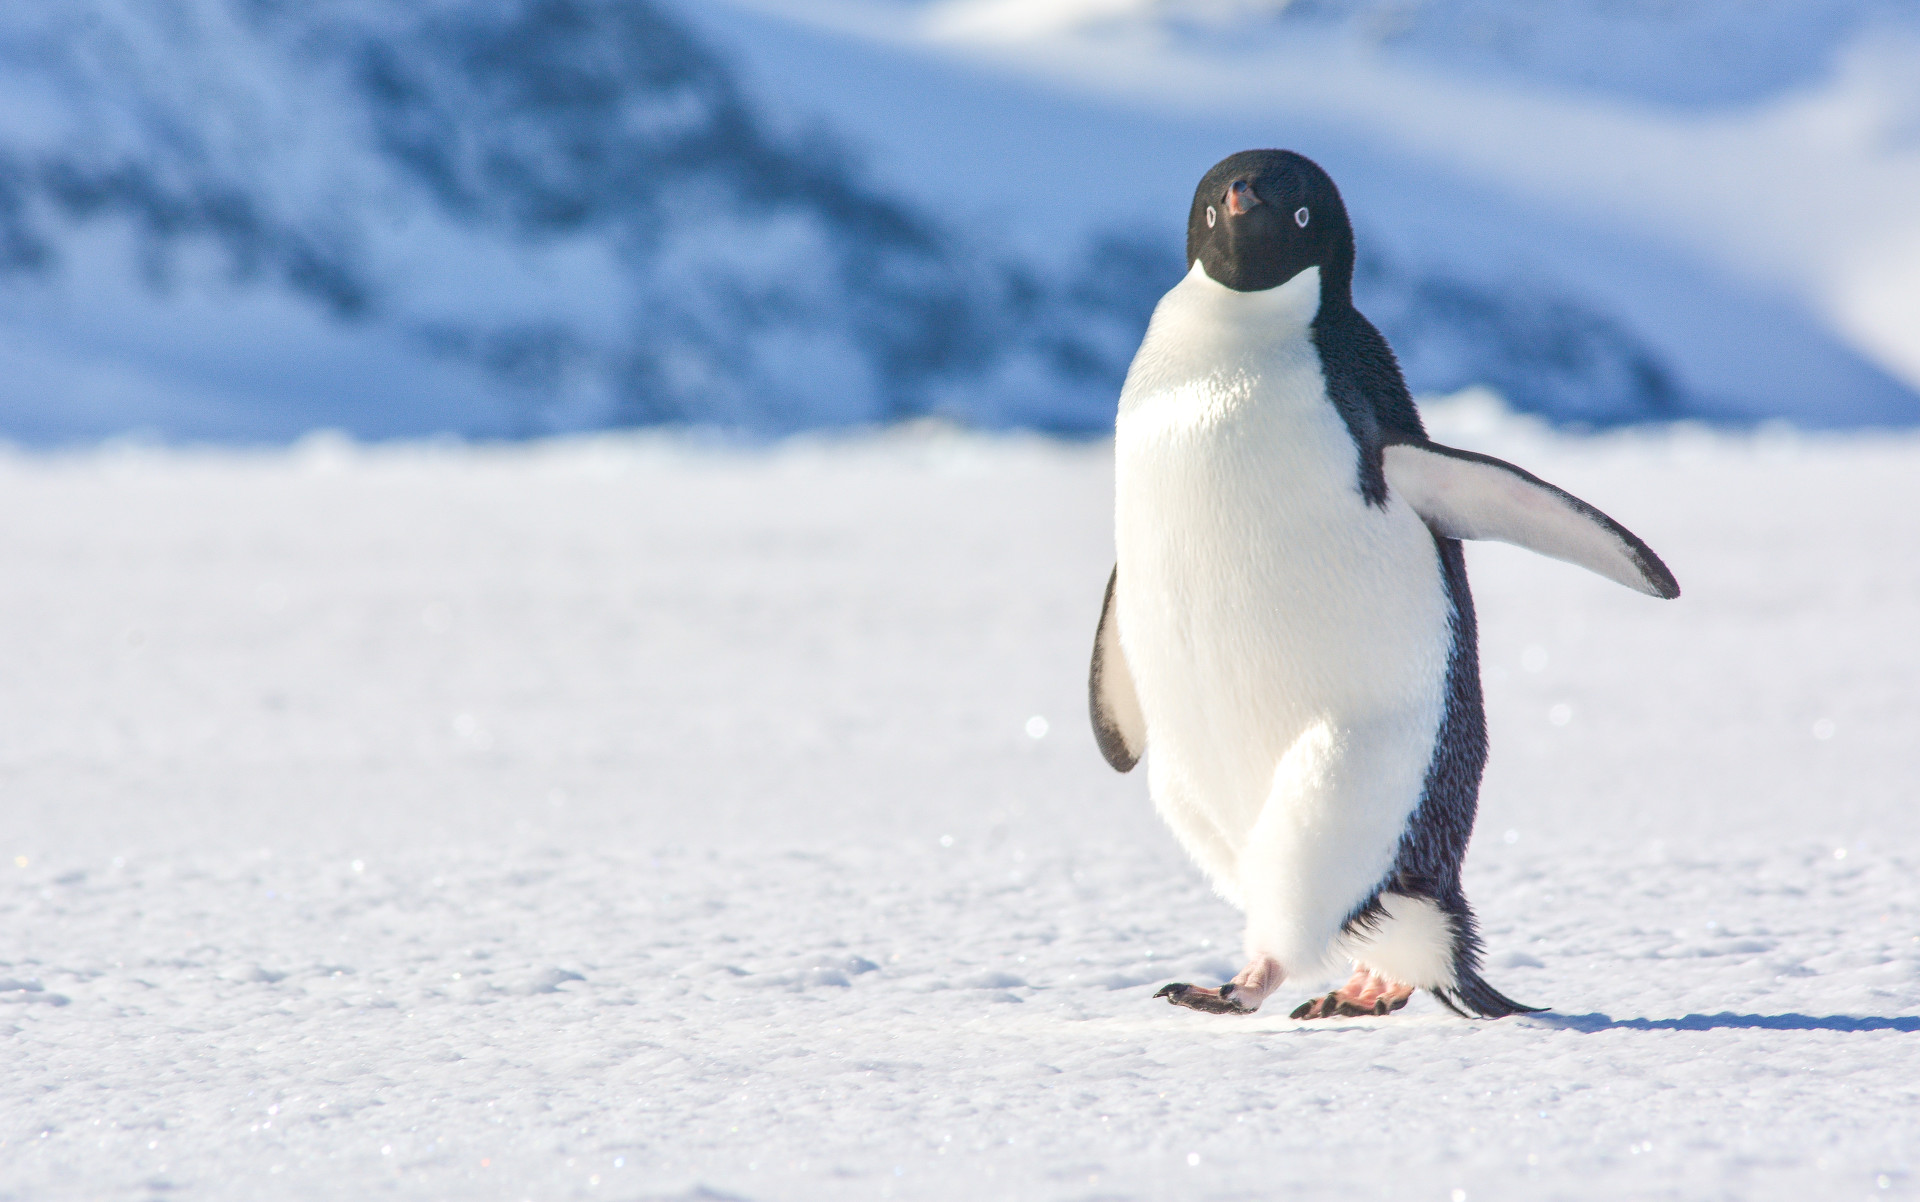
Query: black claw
pixel 1175 991
pixel 1304 1009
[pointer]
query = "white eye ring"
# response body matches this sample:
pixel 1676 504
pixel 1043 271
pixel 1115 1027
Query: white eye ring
pixel 1211 217
pixel 1300 217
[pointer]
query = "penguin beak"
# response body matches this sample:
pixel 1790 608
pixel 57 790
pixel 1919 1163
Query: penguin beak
pixel 1240 197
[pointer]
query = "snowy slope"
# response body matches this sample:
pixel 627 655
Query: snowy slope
pixel 618 818
pixel 231 220
pixel 1709 53
pixel 1533 220
pixel 226 220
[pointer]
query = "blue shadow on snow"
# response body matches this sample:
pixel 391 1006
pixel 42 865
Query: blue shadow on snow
pixel 1709 1022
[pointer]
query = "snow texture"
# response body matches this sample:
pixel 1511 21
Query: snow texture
pixel 624 818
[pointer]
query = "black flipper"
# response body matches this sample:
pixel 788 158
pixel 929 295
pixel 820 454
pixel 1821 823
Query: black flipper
pixel 1118 725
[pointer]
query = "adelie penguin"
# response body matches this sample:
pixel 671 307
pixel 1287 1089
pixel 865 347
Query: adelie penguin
pixel 1288 637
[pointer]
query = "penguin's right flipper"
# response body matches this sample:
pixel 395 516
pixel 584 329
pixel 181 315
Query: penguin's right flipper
pixel 1462 494
pixel 1118 724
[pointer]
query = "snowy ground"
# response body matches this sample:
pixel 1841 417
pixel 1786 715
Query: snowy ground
pixel 629 819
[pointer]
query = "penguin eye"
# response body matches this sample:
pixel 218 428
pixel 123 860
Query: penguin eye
pixel 1300 217
pixel 1211 217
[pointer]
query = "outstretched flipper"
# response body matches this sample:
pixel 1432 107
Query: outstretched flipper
pixel 1465 495
pixel 1118 724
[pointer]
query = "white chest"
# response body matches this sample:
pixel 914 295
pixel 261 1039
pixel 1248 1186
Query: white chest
pixel 1259 592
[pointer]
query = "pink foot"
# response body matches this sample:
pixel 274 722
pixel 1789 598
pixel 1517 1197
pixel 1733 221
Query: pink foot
pixel 1242 995
pixel 1366 992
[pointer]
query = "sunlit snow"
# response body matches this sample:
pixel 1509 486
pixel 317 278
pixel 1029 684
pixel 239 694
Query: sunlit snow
pixel 626 818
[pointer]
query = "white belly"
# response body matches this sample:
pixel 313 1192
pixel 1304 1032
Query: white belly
pixel 1287 640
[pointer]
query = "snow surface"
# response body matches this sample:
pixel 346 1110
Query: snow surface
pixel 633 818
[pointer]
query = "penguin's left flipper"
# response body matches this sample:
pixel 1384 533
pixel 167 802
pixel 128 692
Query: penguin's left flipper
pixel 1466 495
pixel 1118 723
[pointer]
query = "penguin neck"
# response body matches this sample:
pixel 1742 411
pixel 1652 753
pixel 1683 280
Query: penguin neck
pixel 1224 325
pixel 1210 348
pixel 1284 311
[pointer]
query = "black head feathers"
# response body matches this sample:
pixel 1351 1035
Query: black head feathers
pixel 1261 217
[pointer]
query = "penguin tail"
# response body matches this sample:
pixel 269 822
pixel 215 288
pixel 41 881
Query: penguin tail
pixel 1471 997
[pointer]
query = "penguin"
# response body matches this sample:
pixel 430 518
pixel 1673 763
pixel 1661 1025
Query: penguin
pixel 1288 637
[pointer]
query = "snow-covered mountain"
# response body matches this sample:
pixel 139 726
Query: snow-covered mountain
pixel 1701 52
pixel 244 219
pixel 229 218
pixel 1729 192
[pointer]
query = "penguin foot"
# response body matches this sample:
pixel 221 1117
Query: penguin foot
pixel 1242 995
pixel 1212 1001
pixel 1366 994
pixel 1335 1006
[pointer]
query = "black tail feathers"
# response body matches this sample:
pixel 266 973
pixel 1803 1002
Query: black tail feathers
pixel 1472 997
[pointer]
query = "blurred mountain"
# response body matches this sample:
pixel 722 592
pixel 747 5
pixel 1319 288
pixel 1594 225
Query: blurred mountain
pixel 544 214
pixel 1608 209
pixel 1687 53
pixel 245 219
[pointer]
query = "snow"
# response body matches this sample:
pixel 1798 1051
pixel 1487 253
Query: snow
pixel 647 818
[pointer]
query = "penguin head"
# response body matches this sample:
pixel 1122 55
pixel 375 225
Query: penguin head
pixel 1261 217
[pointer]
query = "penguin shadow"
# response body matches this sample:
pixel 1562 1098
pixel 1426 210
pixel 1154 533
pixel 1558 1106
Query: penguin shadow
pixel 1589 1023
